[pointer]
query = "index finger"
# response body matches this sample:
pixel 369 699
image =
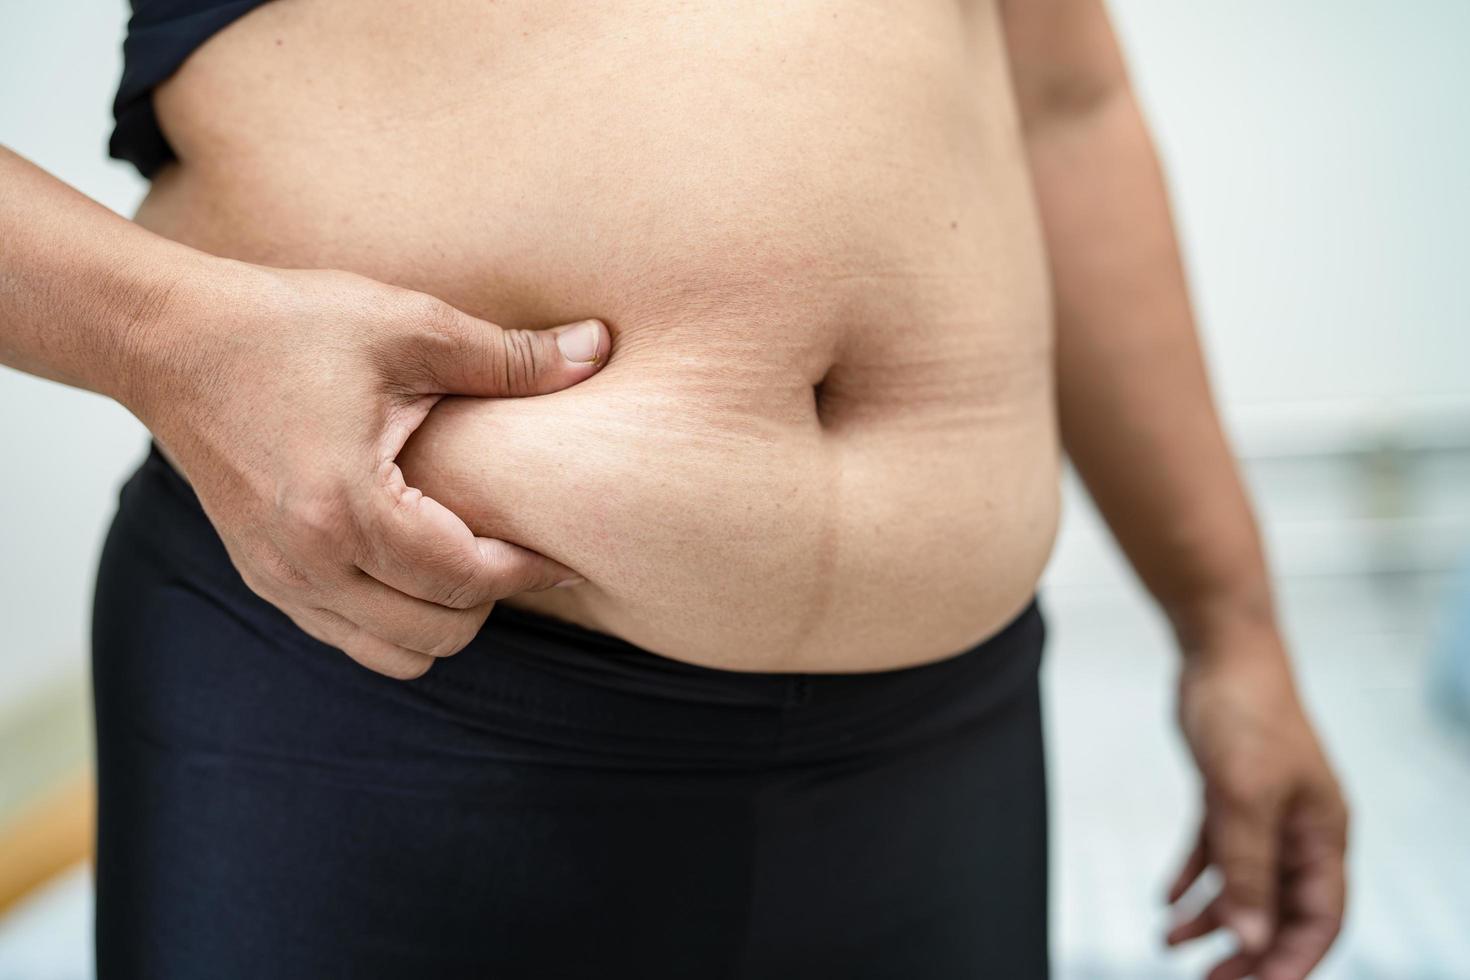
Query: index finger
pixel 1313 897
pixel 416 545
pixel 1241 829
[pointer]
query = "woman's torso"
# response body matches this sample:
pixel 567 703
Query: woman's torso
pixel 825 439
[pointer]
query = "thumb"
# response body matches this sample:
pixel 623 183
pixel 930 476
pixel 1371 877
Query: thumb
pixel 1244 845
pixel 482 359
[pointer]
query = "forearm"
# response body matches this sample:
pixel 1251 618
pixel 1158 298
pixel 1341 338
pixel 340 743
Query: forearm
pixel 81 288
pixel 1136 412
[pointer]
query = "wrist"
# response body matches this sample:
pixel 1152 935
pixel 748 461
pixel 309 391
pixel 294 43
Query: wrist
pixel 142 300
pixel 167 312
pixel 1231 641
pixel 1242 617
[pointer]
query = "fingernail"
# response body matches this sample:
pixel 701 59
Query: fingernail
pixel 580 342
pixel 1252 928
pixel 567 583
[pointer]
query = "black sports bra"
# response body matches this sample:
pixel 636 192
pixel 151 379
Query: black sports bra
pixel 161 34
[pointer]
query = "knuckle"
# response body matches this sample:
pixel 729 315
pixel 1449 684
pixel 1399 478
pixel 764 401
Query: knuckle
pixel 412 668
pixel 309 625
pixel 521 360
pixel 1247 876
pixel 539 577
pixel 437 318
pixel 1247 879
pixel 451 633
pixel 502 585
pixel 362 653
pixel 527 578
pixel 468 628
pixel 313 516
pixel 447 645
pixel 422 333
pixel 399 664
pixel 395 523
pixel 402 668
pixel 462 589
pixel 317 522
pixel 423 312
pixel 509 571
pixel 421 634
pixel 449 572
pixel 278 575
pixel 384 526
pixel 438 327
pixel 1247 891
pixel 1243 790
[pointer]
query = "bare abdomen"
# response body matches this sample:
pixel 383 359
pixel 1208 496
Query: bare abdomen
pixel 825 437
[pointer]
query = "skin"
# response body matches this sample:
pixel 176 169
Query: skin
pixel 723 510
pixel 1134 400
pixel 222 361
pixel 856 309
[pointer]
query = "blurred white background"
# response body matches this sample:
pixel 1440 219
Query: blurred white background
pixel 1318 152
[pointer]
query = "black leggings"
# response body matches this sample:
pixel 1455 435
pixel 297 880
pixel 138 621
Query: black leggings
pixel 550 803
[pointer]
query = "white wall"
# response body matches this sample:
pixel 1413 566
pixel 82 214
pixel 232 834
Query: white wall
pixel 1318 154
pixel 1318 150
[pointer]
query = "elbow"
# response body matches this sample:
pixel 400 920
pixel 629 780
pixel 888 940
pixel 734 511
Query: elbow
pixel 1069 98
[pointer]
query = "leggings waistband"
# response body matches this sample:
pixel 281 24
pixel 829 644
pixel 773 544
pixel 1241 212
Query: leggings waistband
pixel 554 680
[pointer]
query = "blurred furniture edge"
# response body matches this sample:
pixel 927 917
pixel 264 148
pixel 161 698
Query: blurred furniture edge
pixel 1351 487
pixel 46 785
pixel 48 836
pixel 1449 682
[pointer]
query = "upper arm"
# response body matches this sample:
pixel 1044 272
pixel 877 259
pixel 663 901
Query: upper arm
pixel 1064 57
